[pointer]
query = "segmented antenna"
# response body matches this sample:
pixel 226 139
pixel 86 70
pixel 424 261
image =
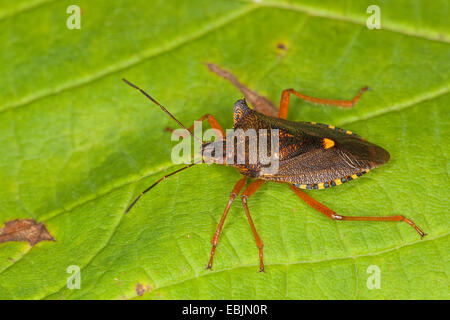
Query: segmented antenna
pixel 179 123
pixel 161 106
pixel 154 184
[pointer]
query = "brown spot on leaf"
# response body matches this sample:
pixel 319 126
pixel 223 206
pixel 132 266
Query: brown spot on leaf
pixel 281 49
pixel 25 230
pixel 281 46
pixel 140 290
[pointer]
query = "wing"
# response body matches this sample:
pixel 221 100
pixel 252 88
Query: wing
pixel 328 156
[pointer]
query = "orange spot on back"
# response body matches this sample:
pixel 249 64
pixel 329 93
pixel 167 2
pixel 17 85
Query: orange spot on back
pixel 327 143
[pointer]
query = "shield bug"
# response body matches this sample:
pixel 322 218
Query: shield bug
pixel 310 155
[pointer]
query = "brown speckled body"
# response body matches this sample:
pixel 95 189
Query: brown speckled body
pixel 303 160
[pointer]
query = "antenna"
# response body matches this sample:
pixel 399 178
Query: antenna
pixel 155 183
pixel 161 106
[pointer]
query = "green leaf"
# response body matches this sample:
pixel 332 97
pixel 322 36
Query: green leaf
pixel 78 145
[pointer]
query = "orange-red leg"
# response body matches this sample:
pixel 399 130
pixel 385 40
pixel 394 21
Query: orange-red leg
pixel 236 190
pixel 212 121
pixel 333 215
pixel 259 103
pixel 251 189
pixel 285 95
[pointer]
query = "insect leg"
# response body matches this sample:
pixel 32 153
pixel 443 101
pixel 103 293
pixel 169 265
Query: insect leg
pixel 251 189
pixel 333 215
pixel 212 121
pixel 260 103
pixel 285 95
pixel 236 190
